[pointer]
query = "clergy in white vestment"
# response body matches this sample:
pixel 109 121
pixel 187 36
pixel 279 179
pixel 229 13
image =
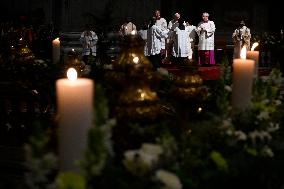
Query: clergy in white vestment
pixel 127 27
pixel 154 43
pixel 205 31
pixel 181 49
pixel 173 24
pixel 241 37
pixel 143 33
pixel 192 38
pixel 89 41
pixel 162 24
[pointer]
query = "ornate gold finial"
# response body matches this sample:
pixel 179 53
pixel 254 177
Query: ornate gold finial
pixel 23 53
pixel 73 60
pixel 188 85
pixel 133 72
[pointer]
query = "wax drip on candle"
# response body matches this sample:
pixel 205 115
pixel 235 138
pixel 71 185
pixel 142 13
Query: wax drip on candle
pixel 243 52
pixel 72 74
pixel 254 46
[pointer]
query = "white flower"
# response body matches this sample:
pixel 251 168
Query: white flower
pixel 267 151
pixel 152 149
pixel 229 132
pixel 265 101
pixel 264 115
pixel 163 71
pixel 131 155
pixel 226 123
pixel 262 135
pixel 228 88
pixel 264 78
pixel 273 127
pixel 278 102
pixel 148 160
pixel 39 61
pixel 108 66
pixel 142 159
pixel 170 180
pixel 240 135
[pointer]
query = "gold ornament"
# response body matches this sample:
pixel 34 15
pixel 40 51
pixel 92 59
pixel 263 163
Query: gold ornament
pixel 23 53
pixel 138 103
pixel 73 60
pixel 133 72
pixel 188 85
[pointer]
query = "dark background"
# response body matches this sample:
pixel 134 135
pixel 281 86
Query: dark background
pixel 71 15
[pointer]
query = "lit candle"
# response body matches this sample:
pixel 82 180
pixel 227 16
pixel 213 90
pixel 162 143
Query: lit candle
pixel 75 117
pixel 254 55
pixel 56 50
pixel 243 71
pixel 133 32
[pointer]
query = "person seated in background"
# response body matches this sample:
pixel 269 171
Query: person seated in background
pixel 127 27
pixel 89 41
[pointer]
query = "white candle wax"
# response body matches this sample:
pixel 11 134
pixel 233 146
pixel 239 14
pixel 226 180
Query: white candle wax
pixel 243 71
pixel 75 118
pixel 254 55
pixel 56 51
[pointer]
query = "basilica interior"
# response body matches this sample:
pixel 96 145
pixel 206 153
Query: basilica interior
pixel 183 125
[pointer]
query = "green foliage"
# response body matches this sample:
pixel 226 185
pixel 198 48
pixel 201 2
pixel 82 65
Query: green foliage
pixel 219 148
pixel 41 162
pixel 99 138
pixel 70 180
pixel 218 159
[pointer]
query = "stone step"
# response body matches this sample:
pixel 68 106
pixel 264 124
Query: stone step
pixel 69 41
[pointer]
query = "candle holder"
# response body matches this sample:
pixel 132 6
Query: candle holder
pixel 132 75
pixel 23 53
pixel 188 85
pixel 188 94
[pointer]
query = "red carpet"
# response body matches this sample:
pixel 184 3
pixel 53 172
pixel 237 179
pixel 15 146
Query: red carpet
pixel 206 73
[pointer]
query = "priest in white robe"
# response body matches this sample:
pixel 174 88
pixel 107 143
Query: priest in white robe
pixel 192 39
pixel 181 49
pixel 154 43
pixel 205 31
pixel 89 41
pixel 162 24
pixel 241 37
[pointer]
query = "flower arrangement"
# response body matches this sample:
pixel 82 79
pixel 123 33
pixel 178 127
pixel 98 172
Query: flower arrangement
pixel 212 147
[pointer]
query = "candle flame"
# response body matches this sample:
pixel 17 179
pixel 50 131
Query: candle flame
pixel 135 59
pixel 254 45
pixel 133 32
pixel 72 74
pixel 73 50
pixel 243 52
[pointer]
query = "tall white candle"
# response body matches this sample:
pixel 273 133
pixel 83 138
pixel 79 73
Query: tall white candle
pixel 254 55
pixel 75 117
pixel 243 71
pixel 56 51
